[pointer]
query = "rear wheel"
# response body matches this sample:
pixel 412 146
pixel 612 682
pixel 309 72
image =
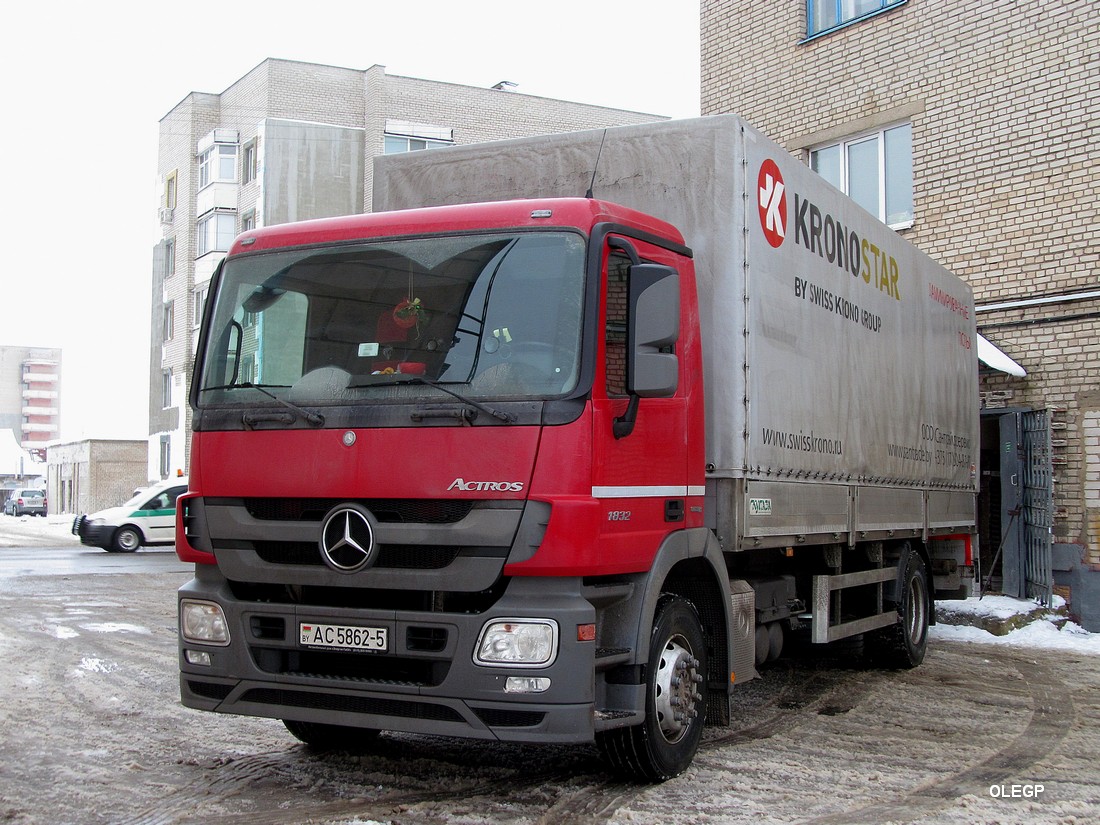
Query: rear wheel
pixel 665 743
pixel 332 737
pixel 127 539
pixel 902 645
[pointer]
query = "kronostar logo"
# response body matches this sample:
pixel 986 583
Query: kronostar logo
pixel 772 203
pixel 481 486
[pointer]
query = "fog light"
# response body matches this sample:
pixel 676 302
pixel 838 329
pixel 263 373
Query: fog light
pixel 518 643
pixel 203 622
pixel 197 657
pixel 526 684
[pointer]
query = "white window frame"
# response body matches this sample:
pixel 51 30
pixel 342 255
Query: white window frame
pixel 165 455
pixel 218 164
pixel 199 302
pixel 215 232
pixel 398 144
pixel 168 321
pixel 166 389
pixel 878 135
pixel 250 161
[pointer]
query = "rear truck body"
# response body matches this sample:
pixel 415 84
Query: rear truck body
pixel 570 469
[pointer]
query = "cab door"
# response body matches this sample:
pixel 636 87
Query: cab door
pixel 642 472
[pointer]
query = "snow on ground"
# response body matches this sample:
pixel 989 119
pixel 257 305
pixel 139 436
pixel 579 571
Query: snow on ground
pixel 1039 627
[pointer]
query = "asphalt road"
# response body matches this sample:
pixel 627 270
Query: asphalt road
pixel 91 731
pixel 33 546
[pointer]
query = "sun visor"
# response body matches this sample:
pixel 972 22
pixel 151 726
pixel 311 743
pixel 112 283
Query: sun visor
pixel 992 357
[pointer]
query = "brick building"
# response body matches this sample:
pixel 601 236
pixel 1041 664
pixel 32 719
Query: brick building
pixel 94 474
pixel 970 128
pixel 291 141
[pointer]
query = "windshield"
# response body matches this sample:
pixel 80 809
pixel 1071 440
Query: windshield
pixel 494 316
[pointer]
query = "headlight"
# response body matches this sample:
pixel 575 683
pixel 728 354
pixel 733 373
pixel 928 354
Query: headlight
pixel 203 622
pixel 518 643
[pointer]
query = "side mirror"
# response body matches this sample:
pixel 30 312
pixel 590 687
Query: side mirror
pixel 652 371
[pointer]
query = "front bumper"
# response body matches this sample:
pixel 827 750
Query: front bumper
pixel 94 535
pixel 427 682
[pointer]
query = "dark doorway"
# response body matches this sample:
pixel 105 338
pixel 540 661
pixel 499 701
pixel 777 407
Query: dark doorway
pixel 1015 504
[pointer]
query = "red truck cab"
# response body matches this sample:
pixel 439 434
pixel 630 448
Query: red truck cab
pixel 445 465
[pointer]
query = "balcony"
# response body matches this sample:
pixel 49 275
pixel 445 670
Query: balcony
pixel 39 428
pixel 40 377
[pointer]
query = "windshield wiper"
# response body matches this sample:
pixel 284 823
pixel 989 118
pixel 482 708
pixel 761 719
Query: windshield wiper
pixel 420 379
pixel 316 419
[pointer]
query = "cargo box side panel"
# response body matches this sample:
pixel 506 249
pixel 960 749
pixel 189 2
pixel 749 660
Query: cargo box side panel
pixel 687 172
pixel 861 349
pixel 879 509
pixel 781 508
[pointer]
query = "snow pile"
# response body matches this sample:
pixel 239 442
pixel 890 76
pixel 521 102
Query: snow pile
pixel 1014 622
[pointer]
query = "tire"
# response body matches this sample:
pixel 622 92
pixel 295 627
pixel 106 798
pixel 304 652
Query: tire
pixel 902 646
pixel 664 745
pixel 126 540
pixel 323 737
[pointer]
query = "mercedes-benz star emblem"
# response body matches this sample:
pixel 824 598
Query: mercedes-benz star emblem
pixel 347 540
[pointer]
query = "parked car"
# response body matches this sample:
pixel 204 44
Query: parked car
pixel 149 518
pixel 26 502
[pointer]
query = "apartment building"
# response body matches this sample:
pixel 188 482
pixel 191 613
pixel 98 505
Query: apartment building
pixel 292 141
pixel 970 128
pixel 30 396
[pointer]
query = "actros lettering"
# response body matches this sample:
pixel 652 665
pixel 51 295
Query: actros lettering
pixel 486 486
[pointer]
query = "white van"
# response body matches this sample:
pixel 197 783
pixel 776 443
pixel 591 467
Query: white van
pixel 148 518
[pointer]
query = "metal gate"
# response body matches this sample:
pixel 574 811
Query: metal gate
pixel 1037 504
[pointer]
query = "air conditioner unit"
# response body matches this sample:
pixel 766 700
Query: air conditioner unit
pixel 166 214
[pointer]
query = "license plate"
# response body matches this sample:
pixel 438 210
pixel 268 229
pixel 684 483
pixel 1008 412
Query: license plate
pixel 342 637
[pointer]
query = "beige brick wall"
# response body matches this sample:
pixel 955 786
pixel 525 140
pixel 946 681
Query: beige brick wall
pixel 1003 101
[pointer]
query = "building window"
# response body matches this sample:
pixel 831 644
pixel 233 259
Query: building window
pixel 396 144
pixel 218 164
pixel 249 162
pixel 248 220
pixel 825 15
pixel 216 232
pixel 200 302
pixel 168 320
pixel 165 455
pixel 169 257
pixel 875 170
pixel 170 191
pixel 166 389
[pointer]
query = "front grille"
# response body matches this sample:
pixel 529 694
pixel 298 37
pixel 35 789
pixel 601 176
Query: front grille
pixel 394 556
pixel 357 667
pixel 387 511
pixel 352 704
pixel 209 690
pixel 496 718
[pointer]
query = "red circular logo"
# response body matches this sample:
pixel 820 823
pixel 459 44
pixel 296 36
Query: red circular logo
pixel 772 202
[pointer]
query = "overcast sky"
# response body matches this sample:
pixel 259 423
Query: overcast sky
pixel 85 85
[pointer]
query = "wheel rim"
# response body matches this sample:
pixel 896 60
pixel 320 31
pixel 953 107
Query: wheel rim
pixel 675 695
pixel 128 540
pixel 916 610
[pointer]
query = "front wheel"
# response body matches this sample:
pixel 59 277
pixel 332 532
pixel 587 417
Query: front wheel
pixel 323 737
pixel 665 743
pixel 127 540
pixel 902 646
